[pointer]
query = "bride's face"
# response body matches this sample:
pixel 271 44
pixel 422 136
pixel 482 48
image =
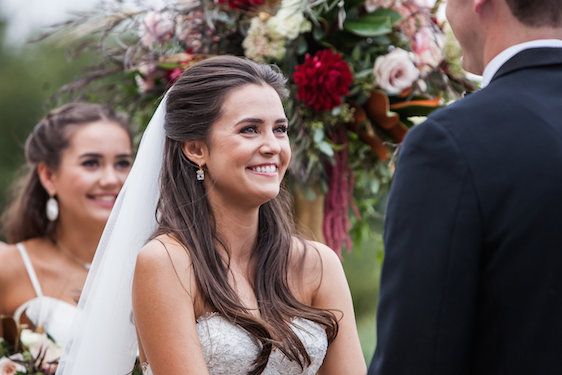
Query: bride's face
pixel 248 150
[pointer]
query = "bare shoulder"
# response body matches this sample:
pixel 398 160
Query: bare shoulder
pixel 10 261
pixel 163 249
pixel 310 263
pixel 314 255
pixel 164 259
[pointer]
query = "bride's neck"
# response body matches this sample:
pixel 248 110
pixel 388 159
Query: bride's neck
pixel 238 227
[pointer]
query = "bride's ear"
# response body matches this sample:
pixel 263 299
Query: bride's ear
pixel 195 151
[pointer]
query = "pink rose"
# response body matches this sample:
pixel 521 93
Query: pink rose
pixel 395 71
pixel 427 46
pixel 156 27
pixel 9 367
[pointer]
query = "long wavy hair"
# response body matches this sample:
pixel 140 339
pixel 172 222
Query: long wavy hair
pixel 25 217
pixel 193 105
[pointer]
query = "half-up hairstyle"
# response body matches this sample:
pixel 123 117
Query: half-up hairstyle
pixel 25 216
pixel 193 105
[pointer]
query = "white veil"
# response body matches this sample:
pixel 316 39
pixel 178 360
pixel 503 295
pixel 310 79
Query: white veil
pixel 103 338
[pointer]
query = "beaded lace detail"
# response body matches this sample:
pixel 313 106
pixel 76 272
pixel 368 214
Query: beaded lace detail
pixel 229 350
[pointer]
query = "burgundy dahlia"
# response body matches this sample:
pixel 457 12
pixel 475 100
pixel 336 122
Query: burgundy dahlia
pixel 242 4
pixel 322 80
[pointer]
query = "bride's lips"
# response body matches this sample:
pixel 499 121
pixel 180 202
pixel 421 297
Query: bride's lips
pixel 103 200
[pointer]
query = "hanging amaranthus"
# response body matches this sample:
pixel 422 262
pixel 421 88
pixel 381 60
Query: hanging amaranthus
pixel 336 223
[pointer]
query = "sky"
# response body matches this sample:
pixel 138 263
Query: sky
pixel 25 17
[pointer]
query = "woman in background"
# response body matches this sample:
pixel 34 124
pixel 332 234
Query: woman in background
pixel 77 157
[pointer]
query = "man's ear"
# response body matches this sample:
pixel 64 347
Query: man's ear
pixel 196 151
pixel 478 5
pixel 47 177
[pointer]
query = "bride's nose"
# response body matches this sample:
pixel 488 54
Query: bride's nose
pixel 270 144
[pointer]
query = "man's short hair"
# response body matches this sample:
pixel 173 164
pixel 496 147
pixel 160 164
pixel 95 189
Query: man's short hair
pixel 537 13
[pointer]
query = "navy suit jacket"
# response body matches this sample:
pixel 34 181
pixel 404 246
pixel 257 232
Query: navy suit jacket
pixel 472 276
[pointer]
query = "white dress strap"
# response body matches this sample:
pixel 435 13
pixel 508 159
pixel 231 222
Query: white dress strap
pixel 30 270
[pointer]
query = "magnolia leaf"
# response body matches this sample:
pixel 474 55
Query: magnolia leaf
pixel 383 12
pixel 356 53
pixel 363 73
pixel 326 148
pixel 369 26
pixel 302 46
pixel 318 135
pixel 318 33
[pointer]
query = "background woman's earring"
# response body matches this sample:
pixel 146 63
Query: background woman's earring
pixel 200 174
pixel 52 209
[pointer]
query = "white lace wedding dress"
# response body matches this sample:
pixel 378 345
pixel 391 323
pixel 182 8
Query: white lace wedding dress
pixel 229 350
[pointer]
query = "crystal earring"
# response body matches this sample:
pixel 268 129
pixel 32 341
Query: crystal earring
pixel 52 208
pixel 200 174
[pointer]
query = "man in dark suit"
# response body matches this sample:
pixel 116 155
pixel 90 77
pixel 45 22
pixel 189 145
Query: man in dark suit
pixel 472 276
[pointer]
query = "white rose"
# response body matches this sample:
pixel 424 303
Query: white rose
pixel 287 25
pixel 395 71
pixel 289 21
pixel 259 46
pixel 36 342
pixel 9 367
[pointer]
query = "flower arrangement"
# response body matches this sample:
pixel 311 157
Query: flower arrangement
pixel 361 73
pixel 25 351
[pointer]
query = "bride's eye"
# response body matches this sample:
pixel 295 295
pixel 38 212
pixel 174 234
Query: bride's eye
pixel 281 129
pixel 90 163
pixel 251 129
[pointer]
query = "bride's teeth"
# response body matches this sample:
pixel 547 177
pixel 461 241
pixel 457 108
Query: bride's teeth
pixel 266 169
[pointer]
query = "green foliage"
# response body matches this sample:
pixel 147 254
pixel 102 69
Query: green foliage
pixel 362 268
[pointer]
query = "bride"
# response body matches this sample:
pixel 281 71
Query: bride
pixel 223 285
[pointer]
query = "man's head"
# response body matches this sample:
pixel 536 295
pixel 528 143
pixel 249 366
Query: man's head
pixel 537 13
pixel 486 27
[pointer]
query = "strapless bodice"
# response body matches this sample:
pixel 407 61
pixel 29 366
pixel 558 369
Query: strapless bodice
pixel 54 315
pixel 230 350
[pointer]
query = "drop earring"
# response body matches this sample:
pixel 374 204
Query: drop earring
pixel 52 208
pixel 200 174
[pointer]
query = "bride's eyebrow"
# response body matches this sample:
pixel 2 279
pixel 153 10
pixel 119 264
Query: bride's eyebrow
pixel 90 155
pixel 253 120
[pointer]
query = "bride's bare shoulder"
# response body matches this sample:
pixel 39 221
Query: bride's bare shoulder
pixel 167 248
pixel 166 258
pixel 307 267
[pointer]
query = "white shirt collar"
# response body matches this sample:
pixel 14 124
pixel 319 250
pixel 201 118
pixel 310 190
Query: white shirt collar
pixel 496 63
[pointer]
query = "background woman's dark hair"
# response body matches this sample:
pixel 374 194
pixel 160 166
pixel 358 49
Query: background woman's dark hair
pixel 193 105
pixel 537 12
pixel 25 216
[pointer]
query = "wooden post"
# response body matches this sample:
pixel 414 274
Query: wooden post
pixel 309 215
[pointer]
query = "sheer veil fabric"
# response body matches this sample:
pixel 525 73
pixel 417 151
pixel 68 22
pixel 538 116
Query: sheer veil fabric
pixel 103 338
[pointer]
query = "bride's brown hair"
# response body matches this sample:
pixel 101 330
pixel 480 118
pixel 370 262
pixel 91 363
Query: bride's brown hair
pixel 193 104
